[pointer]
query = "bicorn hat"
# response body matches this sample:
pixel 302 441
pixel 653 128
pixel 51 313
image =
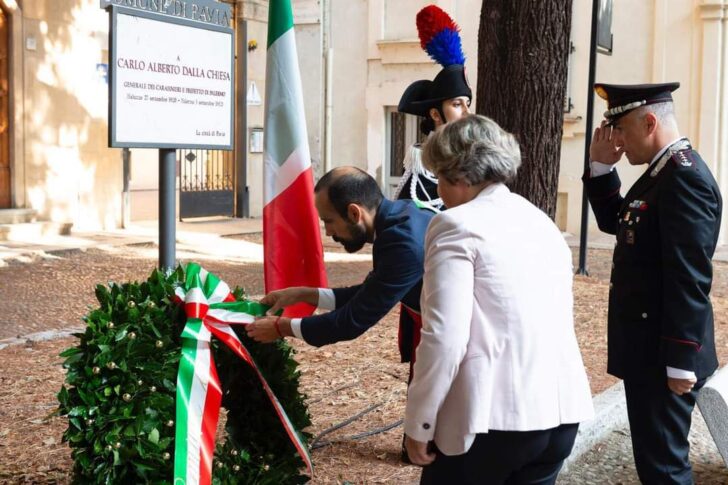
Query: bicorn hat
pixel 440 38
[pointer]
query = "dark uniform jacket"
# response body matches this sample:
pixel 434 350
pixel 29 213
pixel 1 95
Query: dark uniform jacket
pixel 398 255
pixel 667 229
pixel 429 192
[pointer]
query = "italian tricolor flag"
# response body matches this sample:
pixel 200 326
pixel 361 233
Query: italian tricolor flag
pixel 291 237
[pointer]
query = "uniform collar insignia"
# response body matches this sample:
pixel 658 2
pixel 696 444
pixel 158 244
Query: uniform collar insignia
pixel 679 145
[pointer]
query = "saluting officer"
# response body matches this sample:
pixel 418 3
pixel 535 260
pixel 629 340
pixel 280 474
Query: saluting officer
pixel 661 338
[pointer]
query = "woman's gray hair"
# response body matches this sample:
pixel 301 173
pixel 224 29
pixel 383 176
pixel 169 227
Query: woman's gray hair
pixel 473 149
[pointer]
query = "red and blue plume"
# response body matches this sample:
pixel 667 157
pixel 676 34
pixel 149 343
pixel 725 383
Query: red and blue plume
pixel 440 36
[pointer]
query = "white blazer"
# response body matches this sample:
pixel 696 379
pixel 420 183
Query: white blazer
pixel 498 348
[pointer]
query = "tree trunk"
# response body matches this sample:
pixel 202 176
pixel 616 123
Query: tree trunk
pixel 523 51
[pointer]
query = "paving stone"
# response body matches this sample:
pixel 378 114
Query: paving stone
pixel 611 461
pixel 713 403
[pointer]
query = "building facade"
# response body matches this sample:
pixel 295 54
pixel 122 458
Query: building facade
pixel 56 111
pixel 653 41
pixel 356 58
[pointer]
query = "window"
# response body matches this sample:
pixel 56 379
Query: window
pixel 403 130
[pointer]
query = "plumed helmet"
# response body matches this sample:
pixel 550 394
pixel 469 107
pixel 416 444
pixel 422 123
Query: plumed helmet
pixel 440 38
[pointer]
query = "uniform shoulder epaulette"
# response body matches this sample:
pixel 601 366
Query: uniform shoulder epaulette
pixel 684 158
pixel 680 154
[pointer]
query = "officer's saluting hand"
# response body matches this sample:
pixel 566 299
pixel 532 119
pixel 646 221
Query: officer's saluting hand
pixel 602 148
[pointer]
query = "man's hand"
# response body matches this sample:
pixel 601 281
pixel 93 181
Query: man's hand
pixel 680 386
pixel 264 329
pixel 280 299
pixel 417 452
pixel 602 147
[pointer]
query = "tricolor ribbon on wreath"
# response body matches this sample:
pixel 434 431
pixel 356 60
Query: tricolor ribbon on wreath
pixel 211 309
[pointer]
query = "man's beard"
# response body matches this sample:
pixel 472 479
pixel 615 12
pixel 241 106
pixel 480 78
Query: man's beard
pixel 357 239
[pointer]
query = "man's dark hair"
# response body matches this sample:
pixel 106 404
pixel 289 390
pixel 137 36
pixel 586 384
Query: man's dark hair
pixel 350 185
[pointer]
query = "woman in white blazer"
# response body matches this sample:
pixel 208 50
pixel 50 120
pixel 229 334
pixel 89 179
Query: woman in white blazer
pixel 499 384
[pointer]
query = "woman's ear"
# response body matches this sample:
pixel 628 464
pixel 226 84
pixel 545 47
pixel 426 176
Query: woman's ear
pixel 435 115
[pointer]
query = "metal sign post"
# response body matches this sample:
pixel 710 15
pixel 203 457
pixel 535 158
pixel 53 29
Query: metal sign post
pixel 171 87
pixel 167 220
pixel 601 41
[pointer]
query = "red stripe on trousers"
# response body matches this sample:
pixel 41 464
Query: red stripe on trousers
pixel 416 336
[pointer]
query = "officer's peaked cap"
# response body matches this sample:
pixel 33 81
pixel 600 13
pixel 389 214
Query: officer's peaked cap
pixel 623 98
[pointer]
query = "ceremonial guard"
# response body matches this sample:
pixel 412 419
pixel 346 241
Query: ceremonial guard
pixel 444 99
pixel 660 324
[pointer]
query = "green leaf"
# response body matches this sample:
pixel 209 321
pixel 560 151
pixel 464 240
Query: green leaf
pixel 102 295
pixel 156 332
pixel 69 352
pixel 169 385
pixel 86 397
pixel 76 422
pixel 63 397
pixel 121 335
pixel 78 357
pixel 154 436
pixel 83 460
pixel 77 411
pixel 107 391
pixel 143 469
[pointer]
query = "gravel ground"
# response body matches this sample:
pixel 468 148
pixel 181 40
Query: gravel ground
pixel 340 380
pixel 65 282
